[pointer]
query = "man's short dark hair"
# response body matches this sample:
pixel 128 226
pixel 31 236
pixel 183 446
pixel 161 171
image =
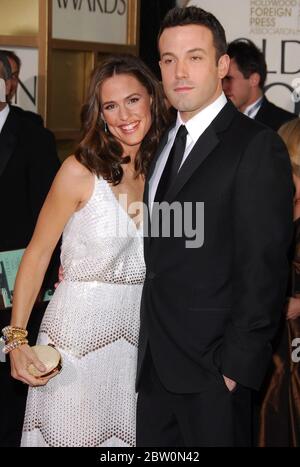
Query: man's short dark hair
pixel 194 15
pixel 10 54
pixel 249 59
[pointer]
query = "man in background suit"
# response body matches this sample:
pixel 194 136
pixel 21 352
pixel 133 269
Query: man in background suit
pixel 245 82
pixel 211 305
pixel 28 164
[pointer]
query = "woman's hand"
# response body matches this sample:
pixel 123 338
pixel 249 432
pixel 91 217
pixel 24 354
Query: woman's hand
pixel 293 308
pixel 20 359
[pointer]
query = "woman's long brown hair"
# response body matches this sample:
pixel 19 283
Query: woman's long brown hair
pixel 98 150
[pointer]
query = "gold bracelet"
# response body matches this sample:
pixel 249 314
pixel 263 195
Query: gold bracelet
pixel 14 345
pixel 10 333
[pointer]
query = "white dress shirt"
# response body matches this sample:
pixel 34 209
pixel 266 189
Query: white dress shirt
pixel 195 127
pixel 252 110
pixel 3 116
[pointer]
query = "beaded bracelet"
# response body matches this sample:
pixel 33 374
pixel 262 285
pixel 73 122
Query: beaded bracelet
pixel 11 333
pixel 14 345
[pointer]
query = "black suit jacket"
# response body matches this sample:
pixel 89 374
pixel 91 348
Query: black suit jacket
pixel 272 116
pixel 34 117
pixel 213 310
pixel 28 164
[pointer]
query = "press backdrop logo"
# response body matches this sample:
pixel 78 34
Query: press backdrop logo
pixel 108 7
pixel 275 17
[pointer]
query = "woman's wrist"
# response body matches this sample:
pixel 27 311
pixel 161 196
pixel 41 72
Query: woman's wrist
pixel 13 337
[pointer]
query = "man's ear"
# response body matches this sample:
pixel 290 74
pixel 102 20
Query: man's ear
pixel 2 91
pixel 223 65
pixel 8 86
pixel 254 80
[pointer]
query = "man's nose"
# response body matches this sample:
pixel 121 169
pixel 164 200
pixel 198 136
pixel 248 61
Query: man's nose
pixel 181 69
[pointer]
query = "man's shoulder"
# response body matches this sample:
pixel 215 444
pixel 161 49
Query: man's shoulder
pixel 30 123
pixel 249 126
pixel 27 115
pixel 272 115
pixel 276 109
pixel 246 133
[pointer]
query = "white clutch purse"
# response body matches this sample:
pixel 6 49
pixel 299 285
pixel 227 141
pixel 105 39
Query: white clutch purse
pixel 49 356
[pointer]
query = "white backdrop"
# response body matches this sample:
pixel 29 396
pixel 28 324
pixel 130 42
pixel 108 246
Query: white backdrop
pixel 274 26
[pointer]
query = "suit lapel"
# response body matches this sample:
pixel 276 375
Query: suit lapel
pixel 204 146
pixel 260 116
pixel 206 143
pixel 147 219
pixel 7 141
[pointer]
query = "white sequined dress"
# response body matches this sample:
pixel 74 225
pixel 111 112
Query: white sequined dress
pixel 93 320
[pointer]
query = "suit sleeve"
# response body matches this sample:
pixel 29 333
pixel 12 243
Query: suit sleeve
pixel 43 167
pixel 262 229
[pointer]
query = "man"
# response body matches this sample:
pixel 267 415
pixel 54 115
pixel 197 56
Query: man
pixel 208 313
pixel 244 85
pixel 15 64
pixel 28 164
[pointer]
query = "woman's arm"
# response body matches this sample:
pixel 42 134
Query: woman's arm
pixel 71 188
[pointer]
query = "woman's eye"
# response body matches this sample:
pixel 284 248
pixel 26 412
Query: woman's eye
pixel 133 100
pixel 109 107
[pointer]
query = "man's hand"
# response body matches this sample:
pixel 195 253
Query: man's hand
pixel 231 385
pixel 60 276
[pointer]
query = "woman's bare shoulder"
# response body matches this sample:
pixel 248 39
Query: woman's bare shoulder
pixel 73 180
pixel 74 169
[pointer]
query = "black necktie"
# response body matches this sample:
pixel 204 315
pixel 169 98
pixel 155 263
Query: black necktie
pixel 173 164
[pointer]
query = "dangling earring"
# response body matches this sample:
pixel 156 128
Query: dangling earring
pixel 105 124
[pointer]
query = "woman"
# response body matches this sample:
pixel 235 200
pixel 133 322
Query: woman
pixel 93 317
pixel 280 413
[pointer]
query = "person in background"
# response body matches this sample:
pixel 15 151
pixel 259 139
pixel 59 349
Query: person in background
pixel 280 409
pixel 28 165
pixel 244 85
pixel 15 64
pixel 93 317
